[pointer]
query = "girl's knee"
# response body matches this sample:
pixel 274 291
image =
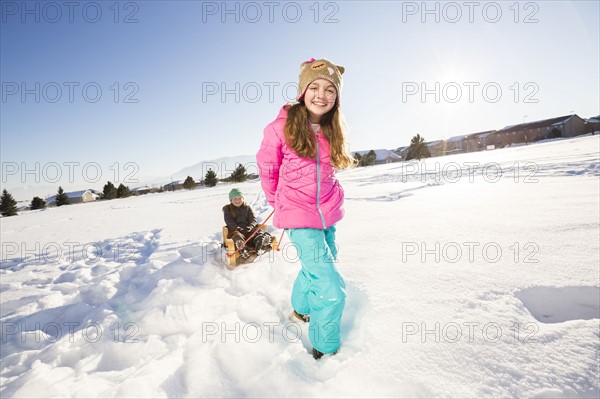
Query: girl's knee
pixel 332 292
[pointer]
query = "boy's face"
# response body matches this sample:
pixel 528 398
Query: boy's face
pixel 237 201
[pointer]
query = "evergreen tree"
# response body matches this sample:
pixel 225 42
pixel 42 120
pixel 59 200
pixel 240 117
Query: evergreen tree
pixel 210 179
pixel 189 183
pixel 417 149
pixel 109 190
pixel 8 205
pixel 123 191
pixel 37 203
pixel 239 174
pixel 62 198
pixel 369 158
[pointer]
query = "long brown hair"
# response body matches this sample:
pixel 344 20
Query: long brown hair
pixel 233 209
pixel 301 139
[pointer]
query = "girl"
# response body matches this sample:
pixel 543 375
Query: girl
pixel 241 222
pixel 299 154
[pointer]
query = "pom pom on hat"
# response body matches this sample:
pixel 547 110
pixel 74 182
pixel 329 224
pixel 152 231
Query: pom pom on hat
pixel 312 70
pixel 235 193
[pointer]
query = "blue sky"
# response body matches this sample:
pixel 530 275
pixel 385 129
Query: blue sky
pixel 543 57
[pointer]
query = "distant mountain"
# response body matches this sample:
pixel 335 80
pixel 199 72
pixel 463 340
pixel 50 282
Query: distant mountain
pixel 222 166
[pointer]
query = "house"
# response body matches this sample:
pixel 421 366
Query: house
pixel 480 141
pixel 174 185
pixel 456 144
pixel 402 151
pixel 382 156
pixel 75 197
pixel 437 148
pixel 593 124
pixel 562 126
pixel 144 190
pixel 98 194
pixel 23 206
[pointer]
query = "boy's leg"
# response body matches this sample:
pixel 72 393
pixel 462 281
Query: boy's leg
pixel 256 240
pixel 235 235
pixel 238 240
pixel 261 241
pixel 320 285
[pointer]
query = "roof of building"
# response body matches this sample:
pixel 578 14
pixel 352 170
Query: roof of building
pixel 434 143
pixel 457 138
pixel 481 134
pixel 76 194
pixel 593 119
pixel 142 188
pixel 380 154
pixel 73 194
pixel 537 124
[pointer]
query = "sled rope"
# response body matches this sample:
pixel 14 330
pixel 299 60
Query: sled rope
pixel 258 228
pixel 280 238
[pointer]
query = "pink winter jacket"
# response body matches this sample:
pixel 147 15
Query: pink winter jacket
pixel 304 192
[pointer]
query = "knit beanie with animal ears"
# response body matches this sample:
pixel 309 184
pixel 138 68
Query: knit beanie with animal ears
pixel 312 70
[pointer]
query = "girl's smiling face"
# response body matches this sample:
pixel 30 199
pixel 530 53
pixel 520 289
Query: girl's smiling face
pixel 237 201
pixel 319 98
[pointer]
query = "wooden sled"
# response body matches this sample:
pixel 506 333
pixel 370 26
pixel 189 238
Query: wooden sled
pixel 233 257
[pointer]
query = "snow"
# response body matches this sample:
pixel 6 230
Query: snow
pixel 471 275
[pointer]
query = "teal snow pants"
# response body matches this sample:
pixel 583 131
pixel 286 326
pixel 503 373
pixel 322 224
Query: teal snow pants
pixel 319 290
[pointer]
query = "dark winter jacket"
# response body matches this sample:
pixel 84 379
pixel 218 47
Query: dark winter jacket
pixel 239 218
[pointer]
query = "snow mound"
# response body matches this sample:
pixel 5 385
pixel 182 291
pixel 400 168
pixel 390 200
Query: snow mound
pixel 560 304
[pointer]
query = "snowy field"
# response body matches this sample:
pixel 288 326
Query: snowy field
pixel 472 275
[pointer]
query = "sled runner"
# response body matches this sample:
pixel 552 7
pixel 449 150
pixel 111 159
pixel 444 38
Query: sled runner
pixel 233 256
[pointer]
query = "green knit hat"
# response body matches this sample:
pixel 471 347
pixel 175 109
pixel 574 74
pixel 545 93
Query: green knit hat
pixel 235 193
pixel 312 70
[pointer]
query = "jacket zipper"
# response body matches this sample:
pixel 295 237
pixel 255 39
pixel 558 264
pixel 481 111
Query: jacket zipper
pixel 319 183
